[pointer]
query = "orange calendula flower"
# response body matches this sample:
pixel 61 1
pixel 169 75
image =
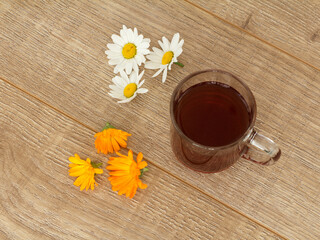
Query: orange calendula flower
pixel 85 171
pixel 125 173
pixel 110 139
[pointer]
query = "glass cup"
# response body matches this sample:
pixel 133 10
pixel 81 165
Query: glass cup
pixel 251 145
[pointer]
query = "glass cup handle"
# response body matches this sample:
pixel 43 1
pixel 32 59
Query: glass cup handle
pixel 261 150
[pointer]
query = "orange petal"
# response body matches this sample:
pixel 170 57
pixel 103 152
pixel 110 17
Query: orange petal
pixel 122 160
pixel 129 188
pixel 139 157
pixel 79 180
pixel 71 165
pixel 109 145
pixel 97 134
pixel 123 190
pixel 118 167
pixel 118 173
pixel 123 133
pixel 130 154
pixel 121 141
pixel 142 164
pixel 76 167
pixel 121 155
pixel 76 159
pixel 98 171
pixel 115 145
pixel 119 180
pixel 142 185
pixel 76 174
pixel 133 190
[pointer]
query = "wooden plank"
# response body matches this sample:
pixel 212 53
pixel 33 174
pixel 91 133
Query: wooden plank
pixel 61 60
pixel 290 25
pixel 38 199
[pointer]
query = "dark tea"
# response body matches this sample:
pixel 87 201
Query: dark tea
pixel 212 114
pixel 212 123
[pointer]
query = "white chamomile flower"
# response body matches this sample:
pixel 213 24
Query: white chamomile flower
pixel 126 88
pixel 128 50
pixel 163 59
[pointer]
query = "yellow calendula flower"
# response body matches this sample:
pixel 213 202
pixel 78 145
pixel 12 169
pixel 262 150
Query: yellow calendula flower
pixel 85 171
pixel 110 139
pixel 125 173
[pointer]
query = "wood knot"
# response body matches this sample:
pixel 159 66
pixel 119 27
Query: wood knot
pixel 246 22
pixel 315 36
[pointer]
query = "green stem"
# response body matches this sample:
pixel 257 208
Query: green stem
pixel 179 64
pixel 108 125
pixel 143 171
pixel 96 165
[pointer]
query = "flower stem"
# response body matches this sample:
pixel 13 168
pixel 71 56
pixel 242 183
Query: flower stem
pixel 143 171
pixel 96 165
pixel 179 64
pixel 108 125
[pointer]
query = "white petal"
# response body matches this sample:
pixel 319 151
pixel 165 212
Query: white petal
pixel 155 58
pixel 115 88
pixel 161 44
pixel 137 41
pixel 140 76
pixel 123 34
pixel 143 51
pixel 146 40
pixel 164 75
pixel 117 39
pixel 128 99
pixel 174 41
pixel 141 83
pixel 143 59
pixel 124 78
pixel 152 65
pixel 116 79
pixel 151 54
pixel 115 61
pixel 135 33
pixel 181 43
pixel 120 67
pixel 178 52
pixel 115 95
pixel 157 51
pixel 130 35
pixel 114 47
pixel 143 45
pixel 129 67
pixel 120 82
pixel 111 54
pixel 158 72
pixel 135 66
pixel 142 90
pixel 166 44
pixel 133 77
pixel 138 59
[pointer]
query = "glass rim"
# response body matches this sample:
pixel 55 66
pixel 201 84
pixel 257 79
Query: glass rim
pixel 253 110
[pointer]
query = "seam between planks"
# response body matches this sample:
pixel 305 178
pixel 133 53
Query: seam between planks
pixel 149 162
pixel 251 34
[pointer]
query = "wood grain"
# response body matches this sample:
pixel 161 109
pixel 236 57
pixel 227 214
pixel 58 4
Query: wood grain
pixel 56 53
pixel 290 25
pixel 39 201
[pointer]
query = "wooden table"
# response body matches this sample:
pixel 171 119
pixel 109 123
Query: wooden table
pixel 54 81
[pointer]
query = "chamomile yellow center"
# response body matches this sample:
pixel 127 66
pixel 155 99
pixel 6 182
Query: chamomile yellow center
pixel 129 50
pixel 167 57
pixel 129 90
